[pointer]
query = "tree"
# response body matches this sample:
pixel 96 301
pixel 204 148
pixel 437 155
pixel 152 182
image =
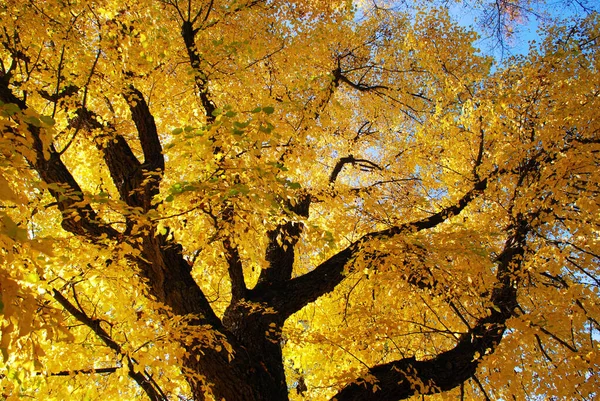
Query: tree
pixel 245 200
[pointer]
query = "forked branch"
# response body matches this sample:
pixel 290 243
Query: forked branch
pixel 280 253
pixel 144 380
pixel 78 217
pixel 364 164
pixel 300 291
pixel 406 377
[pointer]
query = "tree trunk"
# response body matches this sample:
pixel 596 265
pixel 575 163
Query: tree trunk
pixel 253 371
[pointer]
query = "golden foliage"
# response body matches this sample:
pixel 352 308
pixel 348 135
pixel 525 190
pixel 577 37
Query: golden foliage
pixel 409 112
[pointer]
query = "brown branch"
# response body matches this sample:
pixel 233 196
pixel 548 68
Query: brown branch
pixel 188 33
pixel 300 291
pixel 556 338
pixel 170 280
pixel 542 349
pixel 399 379
pixel 136 183
pixel 58 79
pixel 146 127
pixel 365 164
pixel 78 216
pixel 478 382
pixel 84 371
pixel 236 271
pixel 145 178
pixel 125 170
pixel 480 151
pixel 359 86
pixel 145 381
pixel 280 253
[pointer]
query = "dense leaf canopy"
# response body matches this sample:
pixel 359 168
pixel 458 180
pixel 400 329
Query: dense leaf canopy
pixel 297 199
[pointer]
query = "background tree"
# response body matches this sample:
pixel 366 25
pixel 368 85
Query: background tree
pixel 272 201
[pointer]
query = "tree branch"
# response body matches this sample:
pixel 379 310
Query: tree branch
pixel 406 377
pixel 236 271
pixel 170 280
pixel 188 34
pixel 300 291
pixel 145 381
pixel 147 179
pixel 146 127
pixel 125 170
pixel 137 183
pixel 85 371
pixel 280 252
pixel 339 76
pixel 363 163
pixel 78 216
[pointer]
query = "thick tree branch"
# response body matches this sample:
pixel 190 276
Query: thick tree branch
pixel 125 170
pixel 188 32
pixel 280 252
pixel 144 380
pixel 146 178
pixel 364 164
pixel 137 183
pixel 300 291
pixel 78 216
pixel 147 132
pixel 170 280
pixel 235 270
pixel 340 77
pixel 406 377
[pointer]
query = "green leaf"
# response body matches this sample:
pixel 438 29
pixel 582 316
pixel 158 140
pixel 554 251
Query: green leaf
pixel 293 185
pixel 266 128
pixel 278 165
pixel 177 131
pixel 268 109
pixel 10 109
pixel 216 112
pixel 32 121
pixel 12 230
pixel 328 236
pixel 169 198
pixel 256 110
pixel 47 120
pixel 243 189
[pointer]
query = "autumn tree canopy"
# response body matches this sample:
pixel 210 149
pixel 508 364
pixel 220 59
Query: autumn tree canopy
pixel 283 200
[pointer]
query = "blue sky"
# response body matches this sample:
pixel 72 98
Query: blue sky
pixel 528 30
